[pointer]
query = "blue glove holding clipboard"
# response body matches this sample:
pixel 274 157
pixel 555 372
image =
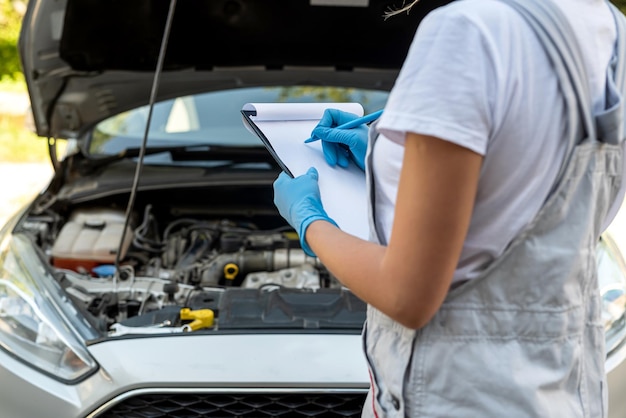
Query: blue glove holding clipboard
pixel 303 195
pixel 298 201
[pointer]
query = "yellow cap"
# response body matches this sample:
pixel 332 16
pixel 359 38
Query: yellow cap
pixel 231 270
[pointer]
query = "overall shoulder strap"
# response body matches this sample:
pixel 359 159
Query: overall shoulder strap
pixel 560 43
pixel 618 62
pixel 613 121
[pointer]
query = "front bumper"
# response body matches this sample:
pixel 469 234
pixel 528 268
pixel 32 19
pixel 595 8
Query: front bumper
pixel 201 363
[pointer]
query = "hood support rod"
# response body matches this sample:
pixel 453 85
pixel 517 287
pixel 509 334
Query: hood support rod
pixel 142 152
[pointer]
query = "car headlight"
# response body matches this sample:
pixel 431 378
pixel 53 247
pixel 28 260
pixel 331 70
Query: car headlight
pixel 612 282
pixel 33 327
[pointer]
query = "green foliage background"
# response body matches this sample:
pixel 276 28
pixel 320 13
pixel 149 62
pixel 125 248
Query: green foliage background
pixel 11 13
pixel 621 4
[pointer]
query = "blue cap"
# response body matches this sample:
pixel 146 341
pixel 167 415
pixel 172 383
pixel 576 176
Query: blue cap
pixel 105 270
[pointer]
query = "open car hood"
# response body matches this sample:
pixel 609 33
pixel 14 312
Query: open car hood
pixel 85 60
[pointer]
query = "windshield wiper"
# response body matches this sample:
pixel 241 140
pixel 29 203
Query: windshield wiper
pixel 196 152
pixel 221 152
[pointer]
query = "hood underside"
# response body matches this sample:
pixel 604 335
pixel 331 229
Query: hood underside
pixel 86 60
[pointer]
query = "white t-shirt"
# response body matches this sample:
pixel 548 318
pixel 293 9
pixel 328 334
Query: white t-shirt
pixel 476 75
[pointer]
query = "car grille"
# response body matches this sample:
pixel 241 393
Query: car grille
pixel 235 406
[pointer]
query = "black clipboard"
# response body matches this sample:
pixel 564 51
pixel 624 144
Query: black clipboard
pixel 250 123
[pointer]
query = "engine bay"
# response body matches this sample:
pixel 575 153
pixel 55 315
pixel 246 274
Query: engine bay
pixel 183 268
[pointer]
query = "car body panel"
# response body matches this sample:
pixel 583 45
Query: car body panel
pixel 266 362
pixel 247 360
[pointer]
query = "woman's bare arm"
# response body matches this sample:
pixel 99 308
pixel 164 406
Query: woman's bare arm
pixel 408 280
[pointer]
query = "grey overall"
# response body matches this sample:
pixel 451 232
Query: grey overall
pixel 524 339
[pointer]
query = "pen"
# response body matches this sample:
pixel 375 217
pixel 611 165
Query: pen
pixel 354 123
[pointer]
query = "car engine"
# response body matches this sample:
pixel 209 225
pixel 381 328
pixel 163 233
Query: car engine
pixel 173 274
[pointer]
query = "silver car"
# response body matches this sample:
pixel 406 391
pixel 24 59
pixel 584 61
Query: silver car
pixel 153 277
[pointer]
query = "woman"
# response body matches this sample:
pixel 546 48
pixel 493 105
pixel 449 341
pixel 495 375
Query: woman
pixel 480 274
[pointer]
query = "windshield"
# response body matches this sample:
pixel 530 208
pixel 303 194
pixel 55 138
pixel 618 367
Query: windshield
pixel 212 118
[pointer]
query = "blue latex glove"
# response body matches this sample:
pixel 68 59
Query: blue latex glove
pixel 341 144
pixel 298 201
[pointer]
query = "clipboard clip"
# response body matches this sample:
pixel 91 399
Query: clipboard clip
pixel 249 123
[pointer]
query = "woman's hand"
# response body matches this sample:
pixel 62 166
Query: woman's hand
pixel 298 201
pixel 341 145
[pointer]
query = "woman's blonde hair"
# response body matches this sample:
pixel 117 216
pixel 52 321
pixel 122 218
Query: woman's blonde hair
pixel 405 8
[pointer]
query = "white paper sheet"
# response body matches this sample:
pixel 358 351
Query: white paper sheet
pixel 343 191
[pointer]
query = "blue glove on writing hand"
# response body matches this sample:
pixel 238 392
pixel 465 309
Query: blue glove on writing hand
pixel 298 201
pixel 354 139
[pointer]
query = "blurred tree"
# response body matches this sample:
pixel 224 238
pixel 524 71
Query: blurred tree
pixel 621 4
pixel 11 13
